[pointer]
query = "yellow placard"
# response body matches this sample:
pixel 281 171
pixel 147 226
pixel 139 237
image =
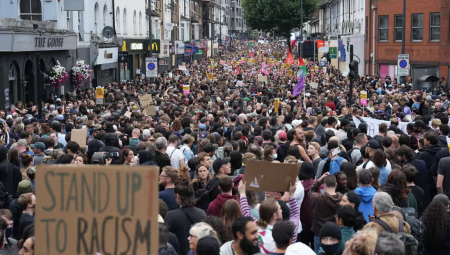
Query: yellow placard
pixel 183 64
pixel 290 72
pixel 363 94
pixel 210 76
pixel 276 104
pixel 99 93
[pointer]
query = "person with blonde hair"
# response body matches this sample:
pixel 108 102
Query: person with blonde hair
pixel 313 153
pixel 435 123
pixel 362 242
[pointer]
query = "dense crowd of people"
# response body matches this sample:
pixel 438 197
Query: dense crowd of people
pixel 355 193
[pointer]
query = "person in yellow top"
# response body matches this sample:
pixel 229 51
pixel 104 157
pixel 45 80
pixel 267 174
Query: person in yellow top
pixel 383 218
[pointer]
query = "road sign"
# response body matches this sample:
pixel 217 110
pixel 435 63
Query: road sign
pixel 403 65
pixel 151 67
pixel 333 52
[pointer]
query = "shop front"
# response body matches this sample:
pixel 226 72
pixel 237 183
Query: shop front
pixel 137 52
pixel 106 66
pixel 189 51
pixel 179 53
pixel 198 55
pixel 163 57
pixel 24 53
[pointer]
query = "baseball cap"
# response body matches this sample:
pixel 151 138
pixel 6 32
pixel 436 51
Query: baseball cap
pixel 38 145
pixel 25 186
pixel 295 123
pixel 60 117
pixel 373 144
pixel 218 163
pixel 202 126
pixel 282 136
pixel 22 142
pixel 177 134
pixel 217 136
pixel 429 98
pixel 253 115
pixel 299 249
pixel 203 135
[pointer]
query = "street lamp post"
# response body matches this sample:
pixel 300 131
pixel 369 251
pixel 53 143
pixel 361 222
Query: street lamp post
pixel 300 44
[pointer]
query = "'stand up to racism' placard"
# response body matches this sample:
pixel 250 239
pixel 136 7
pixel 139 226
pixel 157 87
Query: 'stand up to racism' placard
pixel 96 210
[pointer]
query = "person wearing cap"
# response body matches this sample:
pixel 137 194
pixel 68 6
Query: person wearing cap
pixel 330 238
pixel 39 155
pixel 252 119
pixel 23 187
pixel 221 168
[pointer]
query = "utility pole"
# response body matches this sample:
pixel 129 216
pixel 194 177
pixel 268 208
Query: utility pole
pixel 404 27
pixel 149 10
pixel 351 76
pixel 300 44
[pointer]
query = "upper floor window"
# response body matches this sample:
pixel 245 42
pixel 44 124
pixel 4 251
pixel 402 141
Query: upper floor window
pixel 96 18
pixel 31 10
pixel 134 23
pixel 105 15
pixel 417 27
pixel 383 28
pixel 435 26
pixel 124 21
pixel 398 23
pixel 118 20
pixel 140 23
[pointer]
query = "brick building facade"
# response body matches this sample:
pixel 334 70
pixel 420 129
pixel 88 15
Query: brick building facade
pixel 427 38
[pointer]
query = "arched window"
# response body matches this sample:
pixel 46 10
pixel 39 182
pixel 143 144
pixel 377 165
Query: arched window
pixel 140 23
pixel 124 21
pixel 134 23
pixel 105 15
pixel 96 21
pixel 31 10
pixel 118 20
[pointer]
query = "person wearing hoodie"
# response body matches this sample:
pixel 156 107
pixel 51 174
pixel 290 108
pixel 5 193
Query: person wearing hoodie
pixel 330 238
pixel 306 176
pixel 179 221
pixel 324 205
pixel 346 219
pixel 444 130
pixel 164 247
pixel 226 187
pixel 365 192
pixel 112 145
pixel 430 140
pixel 274 126
pixel 145 158
pixel 10 174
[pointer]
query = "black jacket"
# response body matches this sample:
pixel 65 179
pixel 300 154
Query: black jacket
pixel 428 155
pixel 179 222
pixel 145 158
pixel 161 160
pixel 10 174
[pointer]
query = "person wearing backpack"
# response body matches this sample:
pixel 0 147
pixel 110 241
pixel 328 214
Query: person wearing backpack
pixel 355 153
pixel 383 219
pixel 332 163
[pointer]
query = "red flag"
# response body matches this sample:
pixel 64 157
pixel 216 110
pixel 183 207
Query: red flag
pixel 236 71
pixel 300 61
pixel 290 59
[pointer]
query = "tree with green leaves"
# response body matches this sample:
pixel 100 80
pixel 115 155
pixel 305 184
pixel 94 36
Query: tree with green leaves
pixel 278 16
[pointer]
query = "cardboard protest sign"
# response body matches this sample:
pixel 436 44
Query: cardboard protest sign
pixel 150 111
pixel 262 78
pixel 314 85
pixel 99 101
pixel 145 100
pixel 266 176
pixel 222 84
pixel 182 68
pixel 85 207
pixel 79 136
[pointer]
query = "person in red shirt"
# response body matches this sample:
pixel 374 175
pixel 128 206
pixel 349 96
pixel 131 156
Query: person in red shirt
pixel 226 186
pixel 330 103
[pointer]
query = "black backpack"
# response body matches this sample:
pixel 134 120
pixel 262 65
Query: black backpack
pixel 202 196
pixel 410 242
pixel 417 227
pixel 5 197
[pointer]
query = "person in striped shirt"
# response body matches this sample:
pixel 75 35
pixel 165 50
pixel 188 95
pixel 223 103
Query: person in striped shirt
pixel 270 213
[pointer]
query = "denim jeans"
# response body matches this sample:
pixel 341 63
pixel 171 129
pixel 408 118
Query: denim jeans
pixel 316 244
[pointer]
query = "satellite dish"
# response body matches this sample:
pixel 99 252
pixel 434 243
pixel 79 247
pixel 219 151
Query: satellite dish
pixel 108 32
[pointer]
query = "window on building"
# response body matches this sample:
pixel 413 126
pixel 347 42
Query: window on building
pixel 124 21
pixel 80 33
pixel 118 20
pixel 157 32
pixel 31 10
pixel 398 28
pixel 435 26
pixel 140 23
pixel 105 15
pixel 417 27
pixel 193 32
pixel 96 18
pixel 383 28
pixel 367 28
pixel 182 32
pixel 134 23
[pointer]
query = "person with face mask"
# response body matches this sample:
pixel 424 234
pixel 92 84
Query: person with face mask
pixel 330 238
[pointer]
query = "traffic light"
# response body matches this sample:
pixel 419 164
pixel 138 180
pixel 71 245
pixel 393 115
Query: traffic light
pixel 353 70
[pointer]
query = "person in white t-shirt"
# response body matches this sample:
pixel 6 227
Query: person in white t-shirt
pixel 247 238
pixel 176 155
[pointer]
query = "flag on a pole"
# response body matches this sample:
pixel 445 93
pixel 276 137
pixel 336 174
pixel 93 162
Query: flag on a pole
pixel 300 86
pixel 301 65
pixel 289 59
pixel 263 68
pixel 236 71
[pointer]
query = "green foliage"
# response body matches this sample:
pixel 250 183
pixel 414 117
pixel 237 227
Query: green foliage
pixel 279 16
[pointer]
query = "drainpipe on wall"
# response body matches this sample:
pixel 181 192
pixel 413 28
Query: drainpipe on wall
pixel 374 8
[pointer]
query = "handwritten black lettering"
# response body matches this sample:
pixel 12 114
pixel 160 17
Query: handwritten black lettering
pixel 50 192
pixel 73 193
pixel 85 187
pixel 120 192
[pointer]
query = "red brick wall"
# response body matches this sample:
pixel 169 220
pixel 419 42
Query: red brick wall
pixel 421 53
